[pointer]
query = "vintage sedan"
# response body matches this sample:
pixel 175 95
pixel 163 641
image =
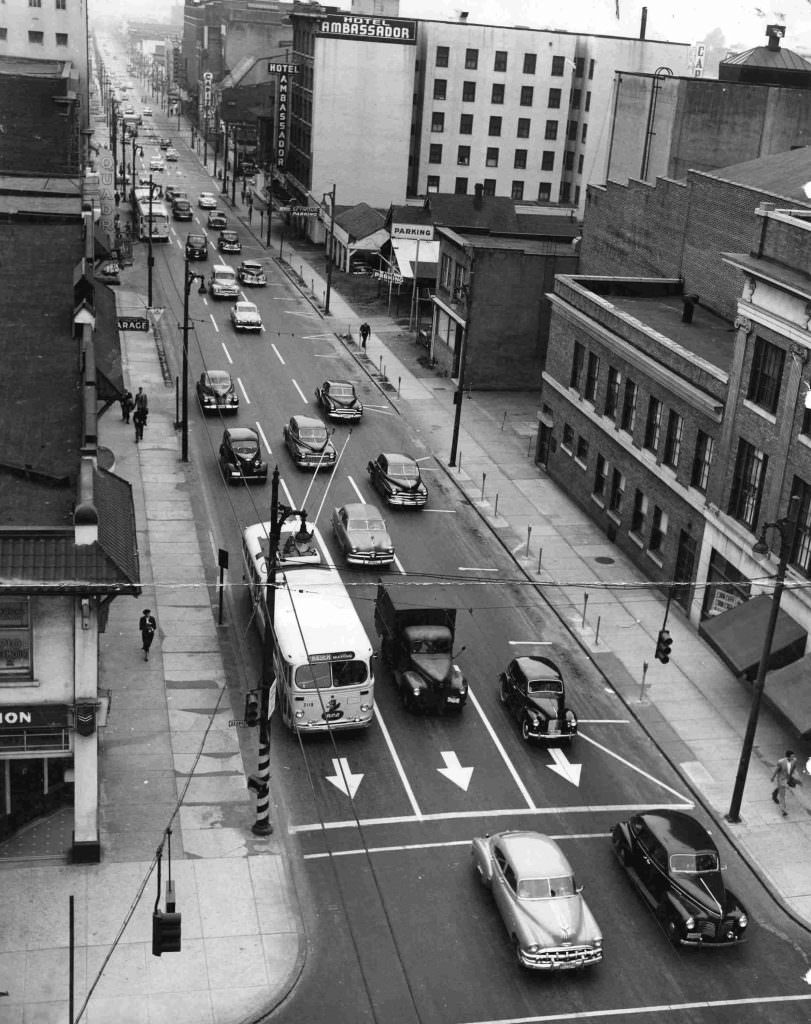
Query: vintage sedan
pixel 196 247
pixel 397 478
pixel 172 155
pixel 251 272
pixel 549 923
pixel 673 863
pixel 147 111
pixel 156 163
pixel 108 272
pixel 309 443
pixel 532 689
pixel 245 316
pixel 164 143
pixel 207 201
pixel 217 220
pixel 216 392
pixel 228 241
pixel 362 535
pixel 241 456
pixel 338 400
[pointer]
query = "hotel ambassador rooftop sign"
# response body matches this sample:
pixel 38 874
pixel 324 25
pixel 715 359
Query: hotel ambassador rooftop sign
pixel 368 29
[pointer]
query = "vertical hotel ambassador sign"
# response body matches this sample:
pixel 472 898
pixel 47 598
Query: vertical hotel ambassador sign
pixel 284 71
pixel 368 29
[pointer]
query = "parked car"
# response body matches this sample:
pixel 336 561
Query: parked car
pixel 338 400
pixel 172 192
pixel 228 241
pixel 222 282
pixel 362 535
pixel 181 209
pixel 217 220
pixel 246 317
pixel 164 143
pixel 156 163
pixel 216 392
pixel 397 478
pixel 172 155
pixel 108 272
pixel 674 865
pixel 251 272
pixel 549 923
pixel 196 247
pixel 207 201
pixel 241 456
pixel 532 689
pixel 309 443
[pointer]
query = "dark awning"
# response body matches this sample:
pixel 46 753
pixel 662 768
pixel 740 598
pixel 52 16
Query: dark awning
pixel 737 636
pixel 788 692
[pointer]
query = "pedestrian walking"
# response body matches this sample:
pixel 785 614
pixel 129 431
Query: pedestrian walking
pixel 147 624
pixel 784 776
pixel 365 331
pixel 127 403
pixel 117 199
pixel 139 421
pixel 142 402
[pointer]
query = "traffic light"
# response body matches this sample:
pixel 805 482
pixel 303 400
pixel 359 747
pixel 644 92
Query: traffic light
pixel 663 645
pixel 251 708
pixel 165 933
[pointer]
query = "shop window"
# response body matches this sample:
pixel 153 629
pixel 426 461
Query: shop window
pixel 16 660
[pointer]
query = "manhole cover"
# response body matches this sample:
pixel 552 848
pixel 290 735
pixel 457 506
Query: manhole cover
pixel 604 560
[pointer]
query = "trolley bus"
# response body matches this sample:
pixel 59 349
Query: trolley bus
pixel 156 213
pixel 321 653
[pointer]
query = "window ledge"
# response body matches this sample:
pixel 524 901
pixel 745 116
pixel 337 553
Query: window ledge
pixel 615 517
pixel 637 540
pixel 598 501
pixel 758 410
pixel 580 463
pixel 656 558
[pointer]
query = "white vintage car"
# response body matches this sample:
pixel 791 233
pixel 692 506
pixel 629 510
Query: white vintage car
pixel 245 317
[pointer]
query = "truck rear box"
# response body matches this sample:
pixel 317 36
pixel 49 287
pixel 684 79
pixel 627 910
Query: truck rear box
pixel 394 614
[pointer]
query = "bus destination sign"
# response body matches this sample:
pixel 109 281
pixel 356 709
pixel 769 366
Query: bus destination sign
pixel 315 659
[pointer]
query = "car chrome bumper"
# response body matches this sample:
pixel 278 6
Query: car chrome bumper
pixel 562 958
pixel 363 558
pixel 413 501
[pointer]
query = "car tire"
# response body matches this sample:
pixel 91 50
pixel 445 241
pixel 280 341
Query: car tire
pixel 669 925
pixel 503 694
pixel 525 734
pixel 517 951
pixel 623 854
pixel 406 700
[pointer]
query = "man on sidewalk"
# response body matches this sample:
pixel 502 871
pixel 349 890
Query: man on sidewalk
pixel 147 625
pixel 783 775
pixel 365 331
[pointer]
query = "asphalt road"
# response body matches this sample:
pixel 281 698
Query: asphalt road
pixel 400 929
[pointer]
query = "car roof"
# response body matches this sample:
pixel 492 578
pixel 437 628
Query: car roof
pixel 536 668
pixel 398 457
pixel 678 832
pixel 217 375
pixel 222 268
pixel 533 855
pixel 228 231
pixel 306 421
pixel 246 305
pixel 251 263
pixel 334 380
pixel 241 434
pixel 360 510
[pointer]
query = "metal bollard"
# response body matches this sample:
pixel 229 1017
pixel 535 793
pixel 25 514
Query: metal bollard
pixel 484 477
pixel 644 676
pixel 495 509
pixel 399 379
pixel 597 632
pixel 585 605
pixel 529 534
pixel 540 556
pixel 504 420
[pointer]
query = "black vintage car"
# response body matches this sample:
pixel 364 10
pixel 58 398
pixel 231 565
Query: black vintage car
pixel 397 478
pixel 216 392
pixel 532 689
pixel 674 865
pixel 338 400
pixel 241 456
pixel 196 247
pixel 309 443
pixel 228 241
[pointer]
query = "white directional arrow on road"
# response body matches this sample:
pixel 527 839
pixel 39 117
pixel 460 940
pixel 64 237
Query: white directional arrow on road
pixel 343 778
pixel 564 767
pixel 454 771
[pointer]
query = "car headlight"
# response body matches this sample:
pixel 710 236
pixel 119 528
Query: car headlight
pixel 743 921
pixel 690 924
pixel 597 943
pixel 299 714
pixel 365 708
pixel 534 948
pixel 416 692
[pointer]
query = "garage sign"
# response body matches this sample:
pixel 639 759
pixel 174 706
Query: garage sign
pixel 133 323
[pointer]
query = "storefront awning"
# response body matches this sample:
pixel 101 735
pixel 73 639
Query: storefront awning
pixel 405 254
pixel 737 636
pixel 788 692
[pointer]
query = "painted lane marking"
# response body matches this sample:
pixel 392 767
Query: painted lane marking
pixel 474 568
pixel 287 494
pixel 344 779
pixel 454 771
pixel 356 489
pixel 295 385
pixel 398 764
pixel 227 354
pixel 566 769
pixel 242 389
pixel 633 767
pixel 405 847
pixel 399 565
pixel 278 354
pixel 214 322
pixel 522 789
pixel 261 433
pixel 531 643
pixel 451 510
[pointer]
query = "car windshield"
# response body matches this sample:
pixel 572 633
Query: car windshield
pixel 366 524
pixel 245 308
pixel 245 448
pixel 407 470
pixel 694 863
pixel 322 675
pixel 229 236
pixel 549 687
pixel 431 645
pixel 341 390
pixel 312 433
pixel 226 275
pixel 546 888
pixel 252 268
pixel 196 240
pixel 219 380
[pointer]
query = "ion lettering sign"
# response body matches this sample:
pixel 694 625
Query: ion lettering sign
pixel 43 716
pixel 370 30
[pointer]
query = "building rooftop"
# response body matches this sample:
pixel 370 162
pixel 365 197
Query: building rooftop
pixel 784 175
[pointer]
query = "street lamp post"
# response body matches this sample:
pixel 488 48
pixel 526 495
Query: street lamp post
pixel 787 528
pixel 188 281
pixel 460 390
pixel 329 247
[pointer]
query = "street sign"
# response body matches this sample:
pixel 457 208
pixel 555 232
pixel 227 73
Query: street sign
pixel 133 323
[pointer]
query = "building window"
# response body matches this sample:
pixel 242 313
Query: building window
pixel 553 100
pixel 463 155
pixel 583 132
pixel 639 514
pixel 61 5
pixel 442 54
pixel 551 130
pixel 433 183
pixel 568 160
pixel 747 484
pixel 61 39
pixel 617 491
pixel 577 195
pixel 530 60
pixel 440 88
pixel 523 128
pixel 580 164
pixel 558 66
pixel 702 461
pixel 517 190
pixel 658 530
pixel 36 37
pixel 471 59
pixel 548 160
pixel 766 375
pixel 592 373
pixel 466 124
pixel 437 121
pixel 600 477
pixel 591 69
pixel 489 186
pixel 565 189
pixel 3 33
pixel 544 192
pixel 435 153
pixel 578 358
pixel 35 3
pixel 612 393
pixel 497 93
pixel 675 429
pixel 491 159
pixel 16 661
pixel 572 131
pixel 500 62
pixel 527 93
pixel 460 188
pixel 653 425
pixel 582 454
pixel 579 67
pixel 628 418
pixel 468 92
pixel 520 159
pixel 568 438
pixel 495 126
pixel 800 556
pixel 576 100
pixel 445 271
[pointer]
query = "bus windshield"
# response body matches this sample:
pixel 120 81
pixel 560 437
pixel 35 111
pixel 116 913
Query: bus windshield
pixel 325 674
